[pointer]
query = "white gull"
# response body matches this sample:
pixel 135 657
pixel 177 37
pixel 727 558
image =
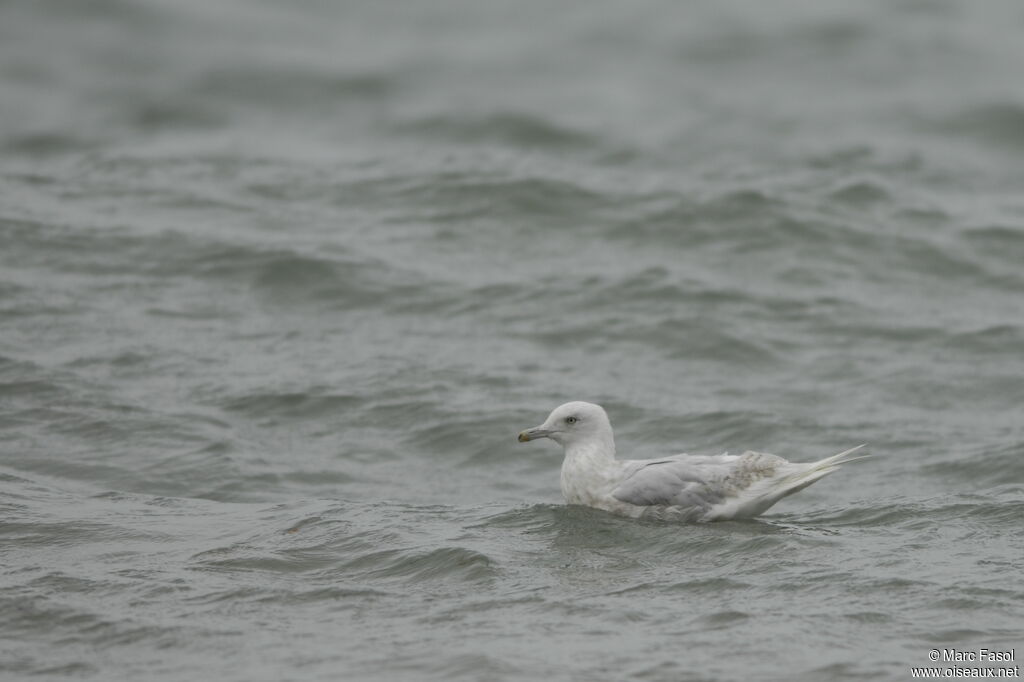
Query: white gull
pixel 679 487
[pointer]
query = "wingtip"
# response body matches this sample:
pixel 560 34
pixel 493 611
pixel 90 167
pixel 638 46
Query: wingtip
pixel 850 451
pixel 844 456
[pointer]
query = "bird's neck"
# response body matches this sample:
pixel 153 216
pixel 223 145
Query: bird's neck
pixel 599 449
pixel 586 469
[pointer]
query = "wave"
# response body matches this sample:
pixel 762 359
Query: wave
pixel 998 505
pixel 454 198
pixel 276 85
pixel 998 124
pixel 418 565
pixel 518 130
pixel 305 404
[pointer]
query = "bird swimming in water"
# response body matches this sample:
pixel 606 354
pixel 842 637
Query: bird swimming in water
pixel 679 487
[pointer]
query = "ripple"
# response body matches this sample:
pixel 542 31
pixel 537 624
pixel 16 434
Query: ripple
pixel 453 199
pixel 48 618
pixel 279 277
pixel 536 516
pixel 748 219
pixel 997 507
pixel 713 586
pixel 161 114
pixel 861 193
pixel 995 340
pixel 442 563
pixel 716 426
pixel 990 465
pixel 518 130
pixel 305 404
pixel 997 241
pixel 869 617
pixel 998 123
pixel 721 620
pixel 474 666
pixel 813 41
pixel 276 85
pixel 44 144
pixel 294 279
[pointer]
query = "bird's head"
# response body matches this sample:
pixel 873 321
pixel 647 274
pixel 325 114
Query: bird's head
pixel 571 424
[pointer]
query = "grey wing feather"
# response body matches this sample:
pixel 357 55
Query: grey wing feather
pixel 668 482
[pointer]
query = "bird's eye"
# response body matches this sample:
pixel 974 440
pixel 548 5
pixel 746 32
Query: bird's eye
pixel 571 420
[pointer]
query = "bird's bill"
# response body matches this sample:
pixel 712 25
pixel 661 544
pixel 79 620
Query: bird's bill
pixel 533 434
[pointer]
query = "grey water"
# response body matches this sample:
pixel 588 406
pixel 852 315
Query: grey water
pixel 280 282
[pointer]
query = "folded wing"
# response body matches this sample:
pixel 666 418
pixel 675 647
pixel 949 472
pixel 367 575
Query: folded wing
pixel 671 482
pixel 707 485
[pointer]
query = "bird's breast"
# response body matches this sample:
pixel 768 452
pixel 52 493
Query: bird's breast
pixel 586 481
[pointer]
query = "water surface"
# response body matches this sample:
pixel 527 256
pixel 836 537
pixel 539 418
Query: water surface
pixel 280 283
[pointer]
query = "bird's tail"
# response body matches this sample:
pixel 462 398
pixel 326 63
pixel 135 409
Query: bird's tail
pixel 809 473
pixel 790 478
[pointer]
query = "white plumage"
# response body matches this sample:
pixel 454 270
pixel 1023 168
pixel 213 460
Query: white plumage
pixel 679 487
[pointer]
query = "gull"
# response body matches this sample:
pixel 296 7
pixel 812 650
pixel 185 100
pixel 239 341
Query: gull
pixel 679 487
